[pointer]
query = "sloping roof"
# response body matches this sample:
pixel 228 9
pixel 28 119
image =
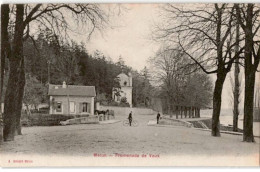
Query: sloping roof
pixel 122 75
pixel 72 90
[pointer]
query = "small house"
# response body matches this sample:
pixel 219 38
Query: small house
pixel 71 99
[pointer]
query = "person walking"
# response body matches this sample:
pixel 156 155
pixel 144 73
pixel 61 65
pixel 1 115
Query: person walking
pixel 130 118
pixel 158 117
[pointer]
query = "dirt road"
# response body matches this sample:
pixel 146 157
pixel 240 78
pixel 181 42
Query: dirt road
pixel 111 139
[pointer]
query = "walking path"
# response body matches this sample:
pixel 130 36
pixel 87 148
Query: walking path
pixel 112 121
pixel 175 146
pixel 226 121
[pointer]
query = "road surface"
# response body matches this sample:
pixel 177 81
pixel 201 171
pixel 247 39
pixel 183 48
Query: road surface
pixel 111 139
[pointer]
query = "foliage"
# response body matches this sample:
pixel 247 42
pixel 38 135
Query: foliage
pixel 120 104
pixel 16 23
pixel 123 100
pixel 34 92
pixel 72 63
pixel 142 88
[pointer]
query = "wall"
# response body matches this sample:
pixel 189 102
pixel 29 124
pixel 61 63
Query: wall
pixel 82 120
pixel 77 101
pixel 124 78
pixel 125 88
pixel 124 111
pixel 256 114
pixel 128 92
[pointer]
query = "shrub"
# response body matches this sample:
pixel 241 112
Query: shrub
pixel 123 100
pixel 38 119
pixel 121 104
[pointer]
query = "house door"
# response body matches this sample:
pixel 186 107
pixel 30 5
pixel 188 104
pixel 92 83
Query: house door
pixel 72 107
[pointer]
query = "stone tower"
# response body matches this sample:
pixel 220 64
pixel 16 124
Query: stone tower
pixel 126 89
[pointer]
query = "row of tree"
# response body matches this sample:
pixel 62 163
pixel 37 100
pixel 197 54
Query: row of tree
pixel 206 34
pixel 180 81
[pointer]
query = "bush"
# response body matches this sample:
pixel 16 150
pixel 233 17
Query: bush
pixel 113 103
pixel 44 110
pixel 121 104
pixel 38 119
pixel 123 100
pixel 124 104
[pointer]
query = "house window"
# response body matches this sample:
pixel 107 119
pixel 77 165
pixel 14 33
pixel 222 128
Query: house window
pixel 58 108
pixel 84 107
pixel 72 107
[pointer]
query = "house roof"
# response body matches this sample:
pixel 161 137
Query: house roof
pixel 71 90
pixel 122 75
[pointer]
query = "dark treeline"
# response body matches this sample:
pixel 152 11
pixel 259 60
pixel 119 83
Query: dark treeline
pixel 50 61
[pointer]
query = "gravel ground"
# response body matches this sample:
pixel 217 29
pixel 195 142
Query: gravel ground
pixel 87 139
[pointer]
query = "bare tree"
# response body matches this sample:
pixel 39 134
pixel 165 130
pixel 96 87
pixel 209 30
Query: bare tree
pixel 235 99
pixel 236 86
pixel 205 34
pixel 4 53
pixel 249 20
pixel 55 17
pixel 165 65
pixel 181 80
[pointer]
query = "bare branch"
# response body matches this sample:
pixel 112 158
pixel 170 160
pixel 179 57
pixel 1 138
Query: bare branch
pixel 198 63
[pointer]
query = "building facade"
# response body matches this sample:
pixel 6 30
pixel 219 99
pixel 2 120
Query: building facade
pixel 71 99
pixel 125 90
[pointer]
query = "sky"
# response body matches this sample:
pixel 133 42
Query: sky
pixel 130 39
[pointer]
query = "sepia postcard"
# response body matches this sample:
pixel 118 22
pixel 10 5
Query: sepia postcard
pixel 130 84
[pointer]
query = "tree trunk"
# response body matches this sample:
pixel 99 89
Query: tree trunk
pixel 28 111
pixel 217 103
pixel 236 83
pixel 249 78
pixel 236 101
pixel 177 111
pixel 20 99
pixel 181 111
pixel 248 107
pixel 12 99
pixel 4 53
pixel 169 106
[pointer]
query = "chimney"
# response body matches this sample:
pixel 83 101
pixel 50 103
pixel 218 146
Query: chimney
pixel 64 85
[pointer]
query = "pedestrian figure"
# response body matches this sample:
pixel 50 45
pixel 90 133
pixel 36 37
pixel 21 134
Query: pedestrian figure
pixel 130 118
pixel 158 117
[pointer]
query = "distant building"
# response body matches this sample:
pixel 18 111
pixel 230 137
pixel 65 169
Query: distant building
pixel 71 99
pixel 125 90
